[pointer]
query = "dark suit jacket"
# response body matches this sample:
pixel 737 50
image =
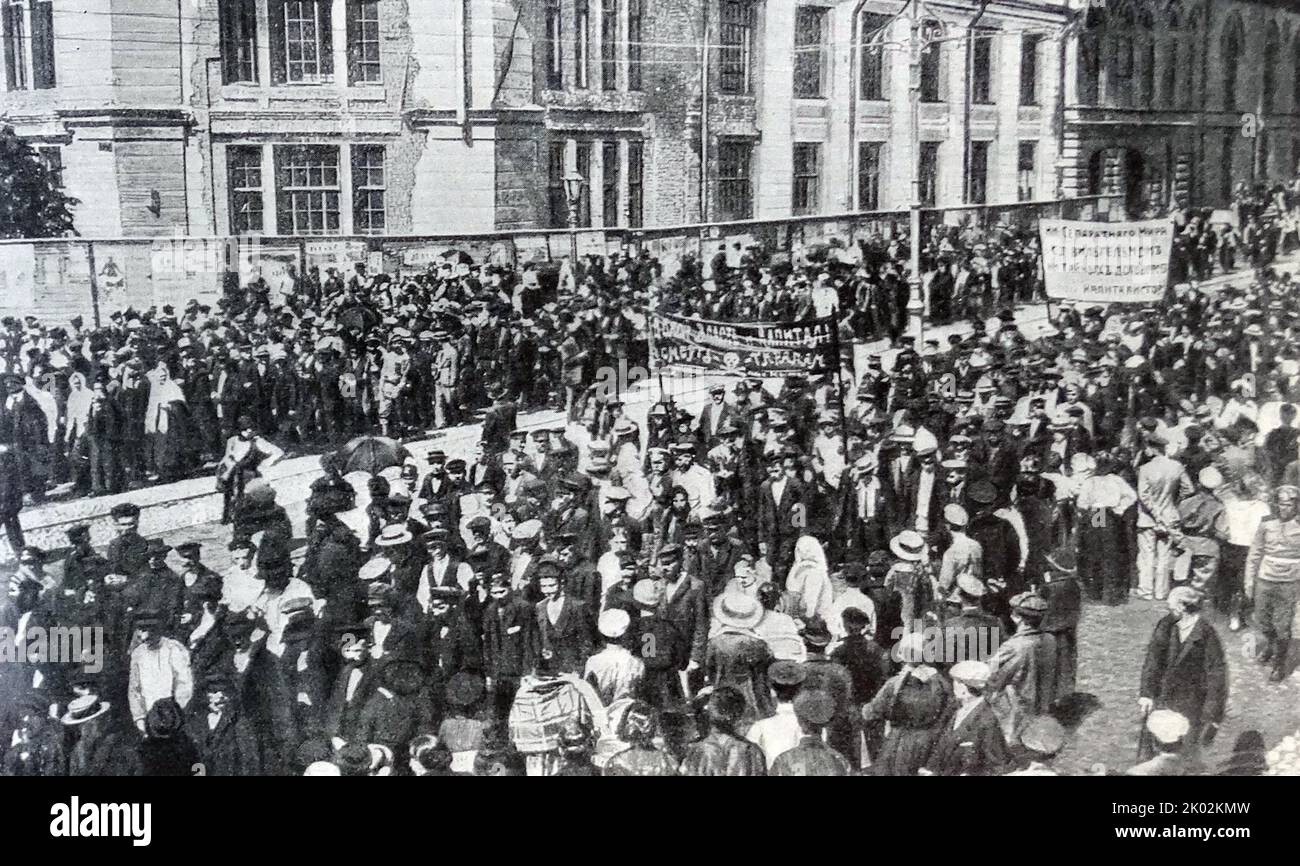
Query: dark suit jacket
pixel 688 610
pixel 569 638
pixel 498 424
pixel 507 632
pixel 776 520
pixel 492 473
pixel 1190 678
pixel 976 747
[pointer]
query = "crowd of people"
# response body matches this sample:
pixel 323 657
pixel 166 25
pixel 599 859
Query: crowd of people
pixel 883 576
pixel 966 272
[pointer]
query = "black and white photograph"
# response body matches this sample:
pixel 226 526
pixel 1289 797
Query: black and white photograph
pixel 631 388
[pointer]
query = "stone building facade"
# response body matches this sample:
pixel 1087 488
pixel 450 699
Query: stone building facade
pixel 217 117
pixel 1176 101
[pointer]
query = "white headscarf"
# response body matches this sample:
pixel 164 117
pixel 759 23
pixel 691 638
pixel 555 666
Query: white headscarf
pixel 163 391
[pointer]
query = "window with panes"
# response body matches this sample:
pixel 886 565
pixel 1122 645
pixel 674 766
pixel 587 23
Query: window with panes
pixel 307 189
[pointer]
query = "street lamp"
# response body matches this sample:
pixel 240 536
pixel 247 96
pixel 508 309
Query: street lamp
pixel 573 190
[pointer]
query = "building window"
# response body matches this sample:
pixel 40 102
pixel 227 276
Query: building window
pixel 928 172
pixel 874 37
pixel 28 44
pixel 583 165
pixel 244 176
pixel 581 42
pixel 15 34
pixel 52 157
pixel 1170 86
pixel 1230 59
pixel 307 189
pixel 735 186
pixel 363 42
pixel 368 214
pixel 1026 168
pixel 302 42
pixel 869 170
pixel 609 182
pixel 551 46
pixel 931 61
pixel 1123 92
pixel 634 44
pixel 609 44
pixel 238 41
pixel 809 51
pixel 737 40
pixel 1029 46
pixel 1148 72
pixel 635 183
pixel 559 203
pixel 979 172
pixel 1089 69
pixel 1271 48
pixel 807 178
pixel 981 87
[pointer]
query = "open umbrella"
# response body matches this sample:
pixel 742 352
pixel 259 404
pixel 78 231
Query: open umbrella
pixel 371 454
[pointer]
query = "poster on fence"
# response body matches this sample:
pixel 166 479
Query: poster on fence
pixel 17 267
pixel 1106 262
pixel 740 349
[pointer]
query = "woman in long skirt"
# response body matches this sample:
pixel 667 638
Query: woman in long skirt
pixel 914 702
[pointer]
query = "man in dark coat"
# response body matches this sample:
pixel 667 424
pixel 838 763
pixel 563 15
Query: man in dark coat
pixel 562 639
pixel 223 735
pixel 782 513
pixel 1000 545
pixel 24 428
pixel 826 675
pixel 1185 669
pixel 970 742
pixel 127 553
pixel 105 746
pixel 499 422
pixel 508 622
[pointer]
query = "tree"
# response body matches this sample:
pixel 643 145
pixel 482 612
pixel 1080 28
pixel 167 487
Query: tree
pixel 31 204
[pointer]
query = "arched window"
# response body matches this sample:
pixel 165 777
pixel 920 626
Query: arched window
pixel 1272 45
pixel 1230 61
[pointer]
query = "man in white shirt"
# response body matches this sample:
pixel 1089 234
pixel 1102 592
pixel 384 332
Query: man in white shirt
pixel 443 569
pixel 160 668
pixel 696 480
pixel 781 731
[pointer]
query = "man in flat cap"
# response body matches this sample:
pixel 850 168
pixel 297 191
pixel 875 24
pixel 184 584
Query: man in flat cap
pixel 1272 578
pixel 1162 483
pixel 971 742
pixel 1022 677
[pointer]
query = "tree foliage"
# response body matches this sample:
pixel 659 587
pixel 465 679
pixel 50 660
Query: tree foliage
pixel 31 204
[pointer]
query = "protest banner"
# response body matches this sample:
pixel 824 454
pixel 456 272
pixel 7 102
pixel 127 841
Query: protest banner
pixel 740 349
pixel 1106 262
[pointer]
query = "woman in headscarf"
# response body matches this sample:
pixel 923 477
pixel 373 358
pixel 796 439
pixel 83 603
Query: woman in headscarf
pixel 77 413
pixel 809 581
pixel 165 425
pixel 914 702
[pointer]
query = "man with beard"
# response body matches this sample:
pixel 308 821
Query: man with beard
pixel 716 556
pixel 494 554
pixel 222 733
pixel 685 606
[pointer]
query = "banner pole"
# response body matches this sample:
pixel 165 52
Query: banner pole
pixel 839 379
